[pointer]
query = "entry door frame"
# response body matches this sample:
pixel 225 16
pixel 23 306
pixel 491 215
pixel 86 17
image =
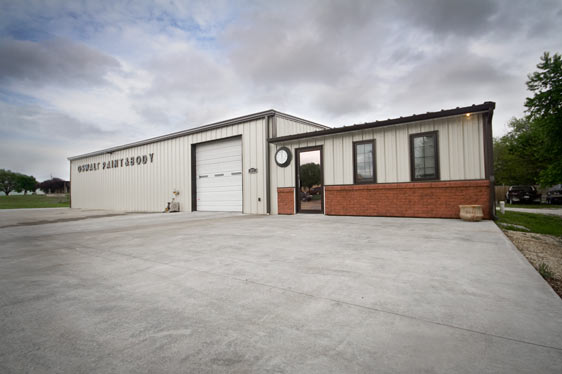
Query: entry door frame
pixel 298 151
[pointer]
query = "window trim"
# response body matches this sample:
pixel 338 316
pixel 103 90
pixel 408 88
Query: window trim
pixel 355 144
pixel 437 176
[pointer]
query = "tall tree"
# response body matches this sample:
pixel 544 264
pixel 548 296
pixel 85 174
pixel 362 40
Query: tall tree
pixel 516 158
pixel 25 183
pixel 545 114
pixel 310 175
pixel 7 181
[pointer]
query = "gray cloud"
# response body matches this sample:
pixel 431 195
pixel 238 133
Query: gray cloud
pixel 445 17
pixel 187 72
pixel 37 140
pixel 55 61
pixel 337 62
pixel 315 42
pixel 34 121
pixel 454 73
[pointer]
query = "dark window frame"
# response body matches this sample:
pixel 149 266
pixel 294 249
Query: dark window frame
pixel 355 144
pixel 437 175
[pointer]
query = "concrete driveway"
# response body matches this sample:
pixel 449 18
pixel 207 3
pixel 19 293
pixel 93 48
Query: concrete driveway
pixel 40 216
pixel 208 293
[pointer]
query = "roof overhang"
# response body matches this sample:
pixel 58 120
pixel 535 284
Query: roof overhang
pixel 487 106
pixel 212 126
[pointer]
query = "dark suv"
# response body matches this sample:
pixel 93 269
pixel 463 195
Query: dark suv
pixel 554 195
pixel 522 194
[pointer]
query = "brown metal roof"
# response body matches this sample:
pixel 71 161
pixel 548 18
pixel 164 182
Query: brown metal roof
pixel 484 107
pixel 216 125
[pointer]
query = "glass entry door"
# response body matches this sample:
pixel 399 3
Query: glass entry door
pixel 310 189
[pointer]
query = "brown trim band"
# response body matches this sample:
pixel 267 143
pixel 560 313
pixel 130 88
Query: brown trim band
pixel 193 180
pixel 489 157
pixel 70 181
pixel 268 119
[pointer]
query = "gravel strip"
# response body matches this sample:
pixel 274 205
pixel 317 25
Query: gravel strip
pixel 539 248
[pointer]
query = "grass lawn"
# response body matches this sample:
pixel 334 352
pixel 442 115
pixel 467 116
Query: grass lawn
pixel 34 201
pixel 538 223
pixel 532 206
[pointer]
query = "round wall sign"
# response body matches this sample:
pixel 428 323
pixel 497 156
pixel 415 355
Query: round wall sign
pixel 283 157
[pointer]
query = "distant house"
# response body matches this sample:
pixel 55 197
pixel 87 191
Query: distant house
pixel 55 186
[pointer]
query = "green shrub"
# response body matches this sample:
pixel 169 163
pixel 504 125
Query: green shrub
pixel 545 271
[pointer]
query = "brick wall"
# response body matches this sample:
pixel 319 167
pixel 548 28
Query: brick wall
pixel 285 200
pixel 428 199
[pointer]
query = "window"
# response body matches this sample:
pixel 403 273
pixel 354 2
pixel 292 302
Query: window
pixel 364 170
pixel 424 156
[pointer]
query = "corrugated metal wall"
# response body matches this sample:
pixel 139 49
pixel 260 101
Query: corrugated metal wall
pixel 148 187
pixel 461 153
pixel 286 126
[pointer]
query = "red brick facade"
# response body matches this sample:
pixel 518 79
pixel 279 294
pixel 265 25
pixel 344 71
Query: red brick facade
pixel 428 199
pixel 285 200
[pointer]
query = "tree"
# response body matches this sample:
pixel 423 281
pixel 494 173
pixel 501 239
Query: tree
pixel 7 181
pixel 52 185
pixel 25 183
pixel 516 158
pixel 310 175
pixel 545 114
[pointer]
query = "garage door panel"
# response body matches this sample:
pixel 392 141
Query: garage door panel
pixel 226 169
pixel 218 166
pixel 219 189
pixel 229 151
pixel 231 197
pixel 219 181
pixel 215 189
pixel 220 208
pixel 212 156
pixel 235 160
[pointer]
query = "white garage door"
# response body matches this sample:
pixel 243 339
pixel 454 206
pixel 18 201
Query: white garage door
pixel 218 168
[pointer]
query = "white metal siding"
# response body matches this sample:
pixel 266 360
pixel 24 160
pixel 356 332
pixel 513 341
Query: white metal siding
pixel 286 126
pixel 219 176
pixel 461 153
pixel 148 188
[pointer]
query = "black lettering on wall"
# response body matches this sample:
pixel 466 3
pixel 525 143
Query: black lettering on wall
pixel 128 161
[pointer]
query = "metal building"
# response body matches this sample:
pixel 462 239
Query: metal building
pixel 270 162
pixel 218 167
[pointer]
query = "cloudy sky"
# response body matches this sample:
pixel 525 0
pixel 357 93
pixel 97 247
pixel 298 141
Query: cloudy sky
pixel 78 76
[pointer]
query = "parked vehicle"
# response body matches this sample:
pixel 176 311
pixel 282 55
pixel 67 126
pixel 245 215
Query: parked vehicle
pixel 305 196
pixel 315 191
pixel 522 194
pixel 554 195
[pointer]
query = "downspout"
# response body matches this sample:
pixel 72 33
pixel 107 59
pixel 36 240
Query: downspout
pixel 489 159
pixel 70 180
pixel 267 166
